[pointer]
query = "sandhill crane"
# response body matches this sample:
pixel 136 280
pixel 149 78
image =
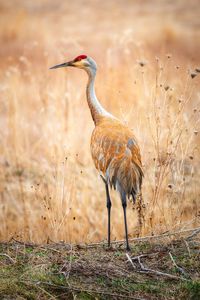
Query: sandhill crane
pixel 114 149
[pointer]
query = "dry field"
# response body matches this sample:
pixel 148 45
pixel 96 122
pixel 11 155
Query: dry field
pixel 147 53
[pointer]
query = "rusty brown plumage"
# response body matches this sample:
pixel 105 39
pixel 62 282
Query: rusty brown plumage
pixel 116 155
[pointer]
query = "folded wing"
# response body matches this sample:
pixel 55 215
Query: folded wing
pixel 117 156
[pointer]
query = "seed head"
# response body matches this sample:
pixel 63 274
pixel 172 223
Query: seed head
pixel 142 63
pixel 193 74
pixel 166 88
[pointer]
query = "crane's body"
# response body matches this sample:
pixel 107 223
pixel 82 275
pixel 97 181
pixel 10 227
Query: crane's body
pixel 114 149
pixel 116 155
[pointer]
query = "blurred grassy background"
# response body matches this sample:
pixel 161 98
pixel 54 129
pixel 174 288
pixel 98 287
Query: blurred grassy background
pixel 147 53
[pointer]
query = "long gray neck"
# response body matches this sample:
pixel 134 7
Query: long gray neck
pixel 95 107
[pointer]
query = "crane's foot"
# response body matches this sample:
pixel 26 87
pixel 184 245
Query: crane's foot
pixel 109 249
pixel 128 248
pixel 109 246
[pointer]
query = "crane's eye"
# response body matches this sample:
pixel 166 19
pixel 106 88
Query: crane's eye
pixel 80 57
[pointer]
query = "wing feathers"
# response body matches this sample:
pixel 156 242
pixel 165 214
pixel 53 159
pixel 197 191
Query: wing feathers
pixel 116 154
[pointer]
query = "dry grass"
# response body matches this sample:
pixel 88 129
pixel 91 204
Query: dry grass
pixel 49 188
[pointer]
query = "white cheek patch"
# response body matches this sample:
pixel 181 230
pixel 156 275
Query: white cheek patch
pixel 78 64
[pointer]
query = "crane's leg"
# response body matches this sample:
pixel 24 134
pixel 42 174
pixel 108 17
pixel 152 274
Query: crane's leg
pixel 109 204
pixel 124 205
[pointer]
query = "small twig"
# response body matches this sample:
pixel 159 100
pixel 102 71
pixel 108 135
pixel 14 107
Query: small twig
pixel 195 232
pixel 145 270
pixel 45 292
pixel 144 255
pixel 141 265
pixel 10 258
pixel 49 248
pixel 177 267
pixel 130 260
pixel 188 248
pixel 23 243
pixel 151 271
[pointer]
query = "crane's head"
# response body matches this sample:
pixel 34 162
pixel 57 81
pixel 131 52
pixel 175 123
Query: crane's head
pixel 82 62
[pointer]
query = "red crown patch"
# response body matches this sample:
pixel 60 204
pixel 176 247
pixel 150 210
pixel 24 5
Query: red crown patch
pixel 80 57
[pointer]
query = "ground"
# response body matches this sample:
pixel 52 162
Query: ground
pixel 147 55
pixel 153 269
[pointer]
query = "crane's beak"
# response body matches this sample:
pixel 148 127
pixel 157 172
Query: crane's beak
pixel 67 64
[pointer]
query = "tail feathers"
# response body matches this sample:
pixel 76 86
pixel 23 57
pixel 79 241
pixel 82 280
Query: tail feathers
pixel 125 176
pixel 134 195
